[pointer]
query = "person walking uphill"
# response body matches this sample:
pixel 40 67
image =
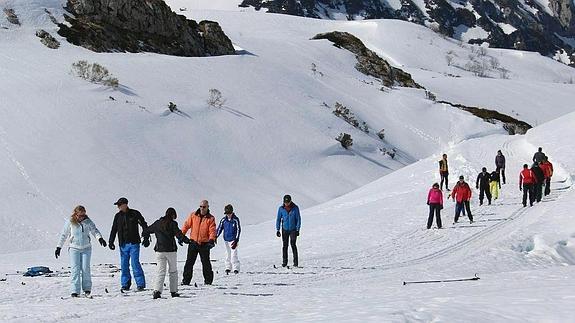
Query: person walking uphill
pixel 289 220
pixel 539 180
pixel 482 184
pixel 547 168
pixel 165 229
pixel 526 182
pixel 230 226
pixel 461 193
pixel 125 225
pixel 78 228
pixel 444 172
pixel 539 156
pixel 494 184
pixel 202 227
pixel 500 165
pixel 435 202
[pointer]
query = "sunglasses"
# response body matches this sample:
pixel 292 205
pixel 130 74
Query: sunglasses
pixel 203 206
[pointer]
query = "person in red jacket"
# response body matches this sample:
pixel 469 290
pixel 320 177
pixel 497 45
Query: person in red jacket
pixel 461 193
pixel 526 182
pixel 435 202
pixel 547 168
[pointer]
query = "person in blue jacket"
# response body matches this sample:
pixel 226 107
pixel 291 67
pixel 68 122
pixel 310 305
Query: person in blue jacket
pixel 78 228
pixel 289 220
pixel 230 226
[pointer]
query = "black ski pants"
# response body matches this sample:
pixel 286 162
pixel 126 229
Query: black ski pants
pixel 444 177
pixel 434 209
pixel 528 190
pixel 538 191
pixel 547 186
pixel 501 172
pixel 289 237
pixel 204 252
pixel 484 190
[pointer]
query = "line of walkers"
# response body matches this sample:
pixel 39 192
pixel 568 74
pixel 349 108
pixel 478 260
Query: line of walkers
pixel 202 238
pixel 531 182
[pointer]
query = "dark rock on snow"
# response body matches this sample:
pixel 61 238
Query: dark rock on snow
pixel 141 26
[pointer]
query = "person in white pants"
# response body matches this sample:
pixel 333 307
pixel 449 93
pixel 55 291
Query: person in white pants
pixel 165 229
pixel 230 226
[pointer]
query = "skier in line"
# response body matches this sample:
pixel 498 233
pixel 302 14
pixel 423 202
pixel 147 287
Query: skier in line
pixel 289 220
pixel 538 156
pixel 435 202
pixel 461 193
pixel 482 184
pixel 444 172
pixel 500 165
pixel 202 227
pixel 230 226
pixel 547 168
pixel 165 229
pixel 78 228
pixel 125 225
pixel 539 180
pixel 526 181
pixel 494 184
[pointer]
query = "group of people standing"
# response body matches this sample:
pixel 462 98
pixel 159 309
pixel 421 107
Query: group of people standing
pixel 531 182
pixel 203 235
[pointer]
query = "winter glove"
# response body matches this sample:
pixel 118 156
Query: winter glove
pixel 181 242
pixel 477 187
pixel 278 234
pixel 57 252
pixel 234 244
pixel 297 233
pixel 146 242
pixel 210 244
pixel 520 188
pixel 102 242
pixel 111 245
pixel 441 207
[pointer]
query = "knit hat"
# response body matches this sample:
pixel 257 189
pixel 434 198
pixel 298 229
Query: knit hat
pixel 228 209
pixel 461 177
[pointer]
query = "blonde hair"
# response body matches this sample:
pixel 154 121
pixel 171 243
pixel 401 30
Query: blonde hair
pixel 77 210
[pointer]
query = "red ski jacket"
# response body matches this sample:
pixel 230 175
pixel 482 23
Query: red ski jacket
pixel 527 177
pixel 461 192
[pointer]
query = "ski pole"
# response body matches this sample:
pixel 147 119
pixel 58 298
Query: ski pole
pixel 440 281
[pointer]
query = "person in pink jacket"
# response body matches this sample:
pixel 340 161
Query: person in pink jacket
pixel 435 202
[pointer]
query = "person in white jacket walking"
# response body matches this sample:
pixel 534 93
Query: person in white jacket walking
pixel 78 228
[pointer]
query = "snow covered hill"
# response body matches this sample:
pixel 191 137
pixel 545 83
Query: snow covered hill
pixel 64 141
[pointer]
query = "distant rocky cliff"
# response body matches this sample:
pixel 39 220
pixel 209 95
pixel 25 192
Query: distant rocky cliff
pixel 525 25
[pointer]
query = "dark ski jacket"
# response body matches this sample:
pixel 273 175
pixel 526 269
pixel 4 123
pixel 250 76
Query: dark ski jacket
pixel 538 157
pixel 538 172
pixel 289 221
pixel 483 180
pixel 500 161
pixel 231 228
pixel 165 232
pixel 494 176
pixel 126 226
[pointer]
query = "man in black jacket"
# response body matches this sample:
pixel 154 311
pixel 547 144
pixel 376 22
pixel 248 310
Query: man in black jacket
pixel 482 184
pixel 125 225
pixel 538 186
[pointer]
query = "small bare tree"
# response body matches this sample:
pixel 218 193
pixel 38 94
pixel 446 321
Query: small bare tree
pixel 449 59
pixel 216 99
pixel 94 73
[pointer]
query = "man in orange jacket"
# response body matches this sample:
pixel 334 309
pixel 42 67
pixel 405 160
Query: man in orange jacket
pixel 202 238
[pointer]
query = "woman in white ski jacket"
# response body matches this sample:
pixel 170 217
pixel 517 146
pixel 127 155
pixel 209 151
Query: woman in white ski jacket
pixel 78 229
